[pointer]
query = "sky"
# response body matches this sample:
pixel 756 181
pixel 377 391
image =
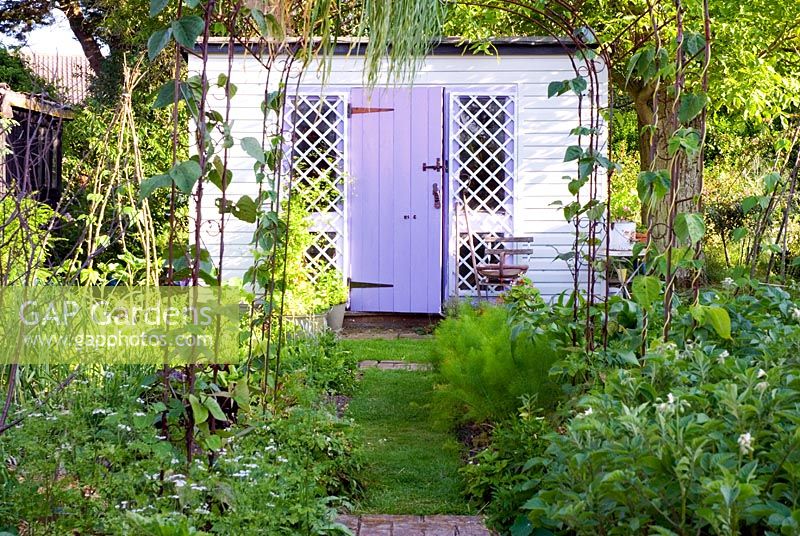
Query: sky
pixel 54 39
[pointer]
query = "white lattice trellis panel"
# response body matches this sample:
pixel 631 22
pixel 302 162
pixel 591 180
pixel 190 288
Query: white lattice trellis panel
pixel 482 138
pixel 318 125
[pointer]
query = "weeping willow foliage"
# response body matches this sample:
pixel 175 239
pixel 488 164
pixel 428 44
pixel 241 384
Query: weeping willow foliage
pixel 400 30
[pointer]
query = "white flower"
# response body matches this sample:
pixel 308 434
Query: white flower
pixel 670 399
pixel 281 459
pixel 762 386
pixel 588 411
pixel 724 354
pixel 762 373
pixel 796 314
pixel 124 427
pixel 198 487
pixel 108 374
pixel 99 411
pixel 139 414
pixel 241 474
pixel 745 443
pixel 728 283
pixel 201 510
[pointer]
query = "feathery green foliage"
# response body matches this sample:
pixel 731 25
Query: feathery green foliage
pixel 486 369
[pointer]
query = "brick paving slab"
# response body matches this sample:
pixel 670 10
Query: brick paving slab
pixel 392 525
pixel 389 364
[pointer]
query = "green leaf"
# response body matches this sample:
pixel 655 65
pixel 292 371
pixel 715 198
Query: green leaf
pixel 579 85
pixel 738 234
pixel 187 29
pixel 575 186
pixel 166 95
pixel 719 319
pixel 557 87
pixel 198 410
pixel 522 527
pixel 689 227
pixel 646 290
pixel 771 180
pixel 749 203
pixel 687 139
pixel 241 393
pixel 253 148
pixel 629 357
pixel 185 174
pixel 157 6
pixel 213 442
pixel 191 3
pixel 573 152
pixel 212 405
pixel 693 43
pixel 158 40
pixel 652 185
pixel 245 209
pixel 691 105
pixel 150 185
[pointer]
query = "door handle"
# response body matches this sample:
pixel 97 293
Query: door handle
pixel 437 202
pixel 436 167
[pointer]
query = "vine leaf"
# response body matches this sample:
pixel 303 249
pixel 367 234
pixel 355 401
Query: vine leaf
pixel 157 6
pixel 556 88
pixel 150 185
pixel 157 41
pixel 245 209
pixel 645 290
pixel 689 227
pixel 213 407
pixel 714 316
pixel 573 152
pixel 187 29
pixel 253 148
pixel 693 43
pixel 185 174
pixel 199 411
pixel 691 105
pixel 578 85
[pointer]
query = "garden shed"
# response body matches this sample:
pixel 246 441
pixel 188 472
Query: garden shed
pixel 30 144
pixel 395 166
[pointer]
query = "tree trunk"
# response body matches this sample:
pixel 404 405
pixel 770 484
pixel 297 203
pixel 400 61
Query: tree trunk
pixel 82 31
pixel 685 173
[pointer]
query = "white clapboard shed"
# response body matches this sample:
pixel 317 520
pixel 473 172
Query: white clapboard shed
pixel 403 157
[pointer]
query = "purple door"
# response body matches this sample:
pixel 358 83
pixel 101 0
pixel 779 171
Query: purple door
pixel 395 206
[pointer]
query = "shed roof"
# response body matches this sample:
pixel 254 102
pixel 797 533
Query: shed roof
pixel 35 103
pixel 446 46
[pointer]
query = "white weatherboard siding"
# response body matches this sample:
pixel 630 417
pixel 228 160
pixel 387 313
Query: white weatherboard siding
pixel 542 135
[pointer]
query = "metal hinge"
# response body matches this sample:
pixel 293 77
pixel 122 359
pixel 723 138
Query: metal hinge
pixel 353 110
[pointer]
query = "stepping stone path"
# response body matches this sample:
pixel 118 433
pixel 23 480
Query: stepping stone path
pixel 394 365
pixel 385 525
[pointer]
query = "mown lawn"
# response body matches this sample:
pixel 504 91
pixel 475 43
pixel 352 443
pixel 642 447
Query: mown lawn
pixel 411 350
pixel 410 465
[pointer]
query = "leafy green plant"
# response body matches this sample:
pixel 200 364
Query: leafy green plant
pixel 486 369
pixel 495 476
pixel 331 287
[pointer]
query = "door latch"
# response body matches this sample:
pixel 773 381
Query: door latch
pixel 437 202
pixel 436 167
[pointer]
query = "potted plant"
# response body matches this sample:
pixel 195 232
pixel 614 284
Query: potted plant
pixel 332 291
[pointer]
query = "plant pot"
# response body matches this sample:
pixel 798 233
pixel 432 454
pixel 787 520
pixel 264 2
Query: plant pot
pixel 621 235
pixel 335 317
pixel 313 324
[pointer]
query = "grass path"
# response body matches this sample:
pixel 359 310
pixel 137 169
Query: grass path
pixel 411 467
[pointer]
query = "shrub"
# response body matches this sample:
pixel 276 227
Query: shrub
pixel 494 477
pixel 696 436
pixel 487 370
